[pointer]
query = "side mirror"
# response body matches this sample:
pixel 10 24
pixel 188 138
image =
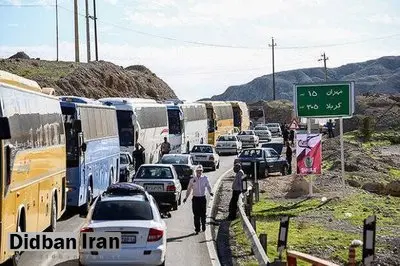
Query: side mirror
pixel 83 147
pixel 78 125
pixel 81 142
pixel 5 132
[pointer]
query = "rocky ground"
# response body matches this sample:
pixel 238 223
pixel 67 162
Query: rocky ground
pixel 93 80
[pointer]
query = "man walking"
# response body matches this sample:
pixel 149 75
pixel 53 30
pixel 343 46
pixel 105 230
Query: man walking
pixel 237 188
pixel 289 154
pixel 137 155
pixel 198 184
pixel 330 129
pixel 165 147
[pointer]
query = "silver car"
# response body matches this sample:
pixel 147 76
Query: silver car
pixel 162 182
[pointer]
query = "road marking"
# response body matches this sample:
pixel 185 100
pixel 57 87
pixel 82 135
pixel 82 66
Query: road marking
pixel 50 257
pixel 210 208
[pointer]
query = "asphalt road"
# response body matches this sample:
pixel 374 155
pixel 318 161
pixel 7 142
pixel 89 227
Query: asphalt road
pixel 183 248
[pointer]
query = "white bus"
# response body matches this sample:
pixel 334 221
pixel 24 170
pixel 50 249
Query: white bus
pixel 175 127
pixel 195 127
pixel 140 120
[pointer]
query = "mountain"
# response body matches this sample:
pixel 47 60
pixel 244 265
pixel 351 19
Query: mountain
pixel 93 80
pixel 381 75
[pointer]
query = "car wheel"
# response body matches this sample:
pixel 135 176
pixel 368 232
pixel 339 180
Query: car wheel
pixel 162 264
pixel 284 170
pixel 266 172
pixel 180 199
pixel 214 167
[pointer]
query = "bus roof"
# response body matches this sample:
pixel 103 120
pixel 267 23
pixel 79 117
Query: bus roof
pixel 213 103
pixel 15 80
pixel 77 99
pixel 128 104
pixel 79 104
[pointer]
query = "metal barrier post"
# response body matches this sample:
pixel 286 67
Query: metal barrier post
pixel 263 241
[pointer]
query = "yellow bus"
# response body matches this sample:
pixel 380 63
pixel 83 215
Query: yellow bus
pixel 241 117
pixel 32 160
pixel 220 119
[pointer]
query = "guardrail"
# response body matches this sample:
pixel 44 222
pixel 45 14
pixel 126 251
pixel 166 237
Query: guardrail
pixel 256 245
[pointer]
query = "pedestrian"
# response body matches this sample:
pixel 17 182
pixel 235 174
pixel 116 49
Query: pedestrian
pixel 291 137
pixel 237 188
pixel 199 183
pixel 289 154
pixel 165 147
pixel 138 155
pixel 285 134
pixel 330 129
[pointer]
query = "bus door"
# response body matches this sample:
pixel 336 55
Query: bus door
pixel 81 149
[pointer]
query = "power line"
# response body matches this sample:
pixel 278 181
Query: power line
pixel 213 44
pixel 324 58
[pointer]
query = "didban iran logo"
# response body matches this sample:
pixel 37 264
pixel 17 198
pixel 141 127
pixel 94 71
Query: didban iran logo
pixel 84 241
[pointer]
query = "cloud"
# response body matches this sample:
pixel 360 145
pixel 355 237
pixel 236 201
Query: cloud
pixel 113 2
pixel 15 2
pixel 385 19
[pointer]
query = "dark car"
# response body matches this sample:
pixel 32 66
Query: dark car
pixel 278 147
pixel 267 161
pixel 184 166
pixel 126 169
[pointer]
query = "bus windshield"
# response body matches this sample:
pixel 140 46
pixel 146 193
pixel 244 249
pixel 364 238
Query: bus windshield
pixel 174 122
pixel 125 128
pixel 71 136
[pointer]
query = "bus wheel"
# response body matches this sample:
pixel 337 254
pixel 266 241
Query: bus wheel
pixel 17 255
pixel 53 217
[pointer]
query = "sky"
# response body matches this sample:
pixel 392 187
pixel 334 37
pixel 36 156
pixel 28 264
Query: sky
pixel 202 47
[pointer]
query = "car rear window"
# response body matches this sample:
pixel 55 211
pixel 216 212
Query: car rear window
pixel 122 210
pixel 251 153
pixel 202 149
pixel 174 160
pixel 227 138
pixel 155 173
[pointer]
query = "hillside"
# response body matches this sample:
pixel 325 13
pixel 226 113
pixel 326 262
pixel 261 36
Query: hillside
pixel 377 76
pixel 92 80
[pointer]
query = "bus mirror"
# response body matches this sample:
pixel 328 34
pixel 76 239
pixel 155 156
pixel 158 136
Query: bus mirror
pixel 81 143
pixel 84 147
pixel 78 125
pixel 8 151
pixel 5 132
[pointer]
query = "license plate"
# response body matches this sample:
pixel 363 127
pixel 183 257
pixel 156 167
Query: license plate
pixel 154 188
pixel 128 239
pixel 246 163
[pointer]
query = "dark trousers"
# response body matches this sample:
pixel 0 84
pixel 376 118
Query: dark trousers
pixel 233 204
pixel 330 133
pixel 199 212
pixel 289 160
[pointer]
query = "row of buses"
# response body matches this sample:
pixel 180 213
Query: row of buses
pixel 59 152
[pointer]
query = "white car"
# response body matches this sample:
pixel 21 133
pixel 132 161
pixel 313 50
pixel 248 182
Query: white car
pixel 206 155
pixel 263 133
pixel 228 144
pixel 275 129
pixel 129 209
pixel 162 182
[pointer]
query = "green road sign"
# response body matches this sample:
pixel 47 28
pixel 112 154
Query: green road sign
pixel 324 100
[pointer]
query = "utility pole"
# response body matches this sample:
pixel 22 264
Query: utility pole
pixel 87 31
pixel 324 58
pixel 95 30
pixel 76 31
pixel 57 27
pixel 273 67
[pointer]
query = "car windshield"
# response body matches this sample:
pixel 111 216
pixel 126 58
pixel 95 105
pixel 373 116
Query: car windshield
pixel 122 210
pixel 226 138
pixel 251 153
pixel 174 159
pixel 261 128
pixel 202 149
pixel 123 159
pixel 246 133
pixel 154 173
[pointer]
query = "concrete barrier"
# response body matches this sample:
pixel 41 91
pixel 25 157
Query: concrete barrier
pixel 256 246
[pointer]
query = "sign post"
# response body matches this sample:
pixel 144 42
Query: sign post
pixel 283 234
pixel 326 100
pixel 369 234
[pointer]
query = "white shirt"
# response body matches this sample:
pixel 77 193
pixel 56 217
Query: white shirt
pixel 198 185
